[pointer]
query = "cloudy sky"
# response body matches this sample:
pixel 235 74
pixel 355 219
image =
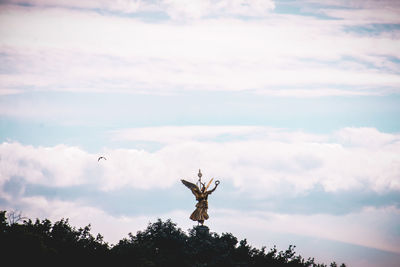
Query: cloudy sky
pixel 293 105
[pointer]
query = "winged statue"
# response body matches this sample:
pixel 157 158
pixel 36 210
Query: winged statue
pixel 199 190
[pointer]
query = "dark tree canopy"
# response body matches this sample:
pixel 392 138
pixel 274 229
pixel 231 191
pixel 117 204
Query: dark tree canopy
pixel 42 243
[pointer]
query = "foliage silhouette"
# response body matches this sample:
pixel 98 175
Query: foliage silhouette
pixel 161 244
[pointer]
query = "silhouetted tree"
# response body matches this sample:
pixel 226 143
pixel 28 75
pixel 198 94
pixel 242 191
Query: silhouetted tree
pixel 161 244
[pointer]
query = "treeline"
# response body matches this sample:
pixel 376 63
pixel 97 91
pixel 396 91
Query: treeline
pixel 42 243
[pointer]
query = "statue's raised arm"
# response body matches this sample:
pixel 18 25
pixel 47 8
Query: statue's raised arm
pixel 215 187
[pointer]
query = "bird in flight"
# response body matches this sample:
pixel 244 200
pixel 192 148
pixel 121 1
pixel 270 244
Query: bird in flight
pixel 101 158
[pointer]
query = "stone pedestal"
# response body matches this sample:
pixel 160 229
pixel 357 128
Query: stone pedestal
pixel 202 231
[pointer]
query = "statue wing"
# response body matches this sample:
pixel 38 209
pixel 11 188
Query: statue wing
pixel 194 188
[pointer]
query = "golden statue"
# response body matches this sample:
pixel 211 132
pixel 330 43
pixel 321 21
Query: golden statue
pixel 200 213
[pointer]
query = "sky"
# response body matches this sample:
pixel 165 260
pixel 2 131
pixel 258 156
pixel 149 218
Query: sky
pixel 293 105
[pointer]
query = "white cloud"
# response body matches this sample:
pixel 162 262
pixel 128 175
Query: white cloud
pixel 366 16
pixel 53 49
pixel 247 7
pixel 4 91
pixel 366 137
pixel 370 227
pixel 260 160
pixel 177 134
pixel 56 166
pixel 176 9
pixel 180 9
pixel 363 12
pixel 124 6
